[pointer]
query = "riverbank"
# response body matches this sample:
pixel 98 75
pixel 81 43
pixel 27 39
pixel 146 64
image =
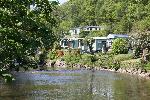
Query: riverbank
pixel 122 63
pixel 132 71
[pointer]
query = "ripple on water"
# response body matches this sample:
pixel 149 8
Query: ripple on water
pixel 75 85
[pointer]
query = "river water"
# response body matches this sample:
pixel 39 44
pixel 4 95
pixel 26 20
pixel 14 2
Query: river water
pixel 75 85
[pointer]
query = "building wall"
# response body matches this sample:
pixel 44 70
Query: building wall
pixel 99 44
pixel 77 31
pixel 91 28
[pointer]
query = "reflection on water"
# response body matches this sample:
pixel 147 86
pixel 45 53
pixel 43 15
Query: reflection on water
pixel 75 85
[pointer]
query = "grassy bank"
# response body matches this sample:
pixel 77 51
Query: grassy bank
pixel 100 60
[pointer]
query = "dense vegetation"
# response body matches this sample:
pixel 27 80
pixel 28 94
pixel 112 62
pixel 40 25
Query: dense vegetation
pixel 121 16
pixel 120 46
pixel 116 16
pixel 26 27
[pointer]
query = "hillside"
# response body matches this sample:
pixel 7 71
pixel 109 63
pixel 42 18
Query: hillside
pixel 120 16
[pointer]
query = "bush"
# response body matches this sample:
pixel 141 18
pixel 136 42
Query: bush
pixel 147 66
pixel 107 61
pixel 86 59
pixel 123 57
pixel 134 63
pixel 72 57
pixel 6 75
pixel 98 33
pixel 112 61
pixel 137 52
pixel 83 34
pixel 75 51
pixel 120 46
pixel 52 55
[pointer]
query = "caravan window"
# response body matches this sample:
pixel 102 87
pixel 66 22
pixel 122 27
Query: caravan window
pixel 65 42
pixel 75 31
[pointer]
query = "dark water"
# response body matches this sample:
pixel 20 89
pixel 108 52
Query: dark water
pixel 75 85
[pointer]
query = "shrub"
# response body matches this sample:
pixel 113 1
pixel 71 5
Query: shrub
pixel 67 57
pixel 134 63
pixel 122 57
pixel 86 59
pixel 120 46
pixel 137 52
pixel 147 66
pixel 98 33
pixel 75 59
pixel 112 61
pixel 52 55
pixel 75 51
pixel 83 34
pixel 71 57
pixel 107 61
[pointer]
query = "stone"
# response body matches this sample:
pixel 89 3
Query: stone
pixel 148 74
pixel 139 71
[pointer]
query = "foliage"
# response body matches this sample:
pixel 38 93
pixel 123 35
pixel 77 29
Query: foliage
pixel 88 59
pixel 56 45
pixel 112 61
pixel 94 33
pixel 142 40
pixel 147 66
pixel 83 34
pixel 100 33
pixel 72 57
pixel 76 58
pixel 121 16
pixel 52 55
pixel 137 51
pixel 6 75
pixel 122 57
pixel 102 61
pixel 26 26
pixel 118 16
pixel 134 63
pixel 120 46
pixel 116 60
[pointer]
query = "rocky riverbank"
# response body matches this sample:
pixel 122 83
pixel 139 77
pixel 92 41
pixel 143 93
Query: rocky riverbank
pixel 58 64
pixel 131 71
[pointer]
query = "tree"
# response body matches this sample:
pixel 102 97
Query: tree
pixel 26 26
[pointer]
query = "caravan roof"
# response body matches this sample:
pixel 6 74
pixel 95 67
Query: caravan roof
pixel 117 36
pixel 102 38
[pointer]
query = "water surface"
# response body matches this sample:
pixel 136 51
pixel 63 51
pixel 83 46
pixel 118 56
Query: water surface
pixel 75 85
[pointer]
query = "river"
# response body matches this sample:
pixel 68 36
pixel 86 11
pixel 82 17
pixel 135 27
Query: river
pixel 75 85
